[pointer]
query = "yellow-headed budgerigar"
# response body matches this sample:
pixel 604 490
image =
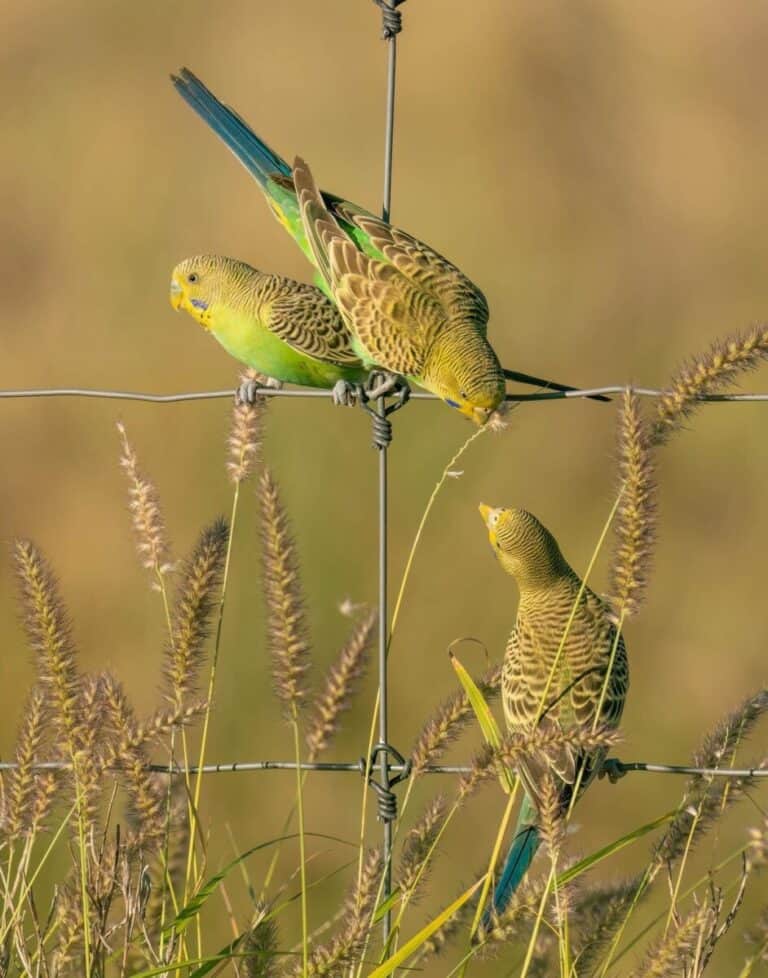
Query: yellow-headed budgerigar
pixel 287 330
pixel 555 672
pixel 408 309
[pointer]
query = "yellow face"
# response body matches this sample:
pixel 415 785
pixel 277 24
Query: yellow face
pixel 478 408
pixel 192 289
pixel 491 518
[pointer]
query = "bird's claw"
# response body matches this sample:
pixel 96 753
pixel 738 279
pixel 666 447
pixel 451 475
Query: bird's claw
pixel 248 391
pixel 612 768
pixel 345 394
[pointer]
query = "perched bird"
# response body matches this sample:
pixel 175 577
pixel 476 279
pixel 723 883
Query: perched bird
pixel 287 330
pixel 547 686
pixel 409 310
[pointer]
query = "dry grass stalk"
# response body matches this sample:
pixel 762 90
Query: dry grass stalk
pixel 329 959
pixel 458 923
pixel 146 515
pixel 287 631
pixel 418 848
pixel 50 637
pixel 246 436
pixel 21 809
pixel 449 720
pixel 545 741
pixel 707 797
pixel 260 946
pixel 340 684
pixel 482 769
pixel 635 524
pixel 196 599
pixel 710 373
pixel 758 846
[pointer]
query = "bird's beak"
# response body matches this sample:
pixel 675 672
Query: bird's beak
pixel 485 512
pixel 479 415
pixel 177 294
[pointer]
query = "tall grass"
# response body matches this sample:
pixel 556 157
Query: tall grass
pixel 134 891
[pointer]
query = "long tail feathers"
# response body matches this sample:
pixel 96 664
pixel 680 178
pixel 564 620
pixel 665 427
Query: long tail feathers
pixel 252 152
pixel 547 384
pixel 519 858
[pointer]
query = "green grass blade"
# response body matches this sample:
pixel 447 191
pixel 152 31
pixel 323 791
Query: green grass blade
pixel 485 718
pixel 606 851
pixel 424 934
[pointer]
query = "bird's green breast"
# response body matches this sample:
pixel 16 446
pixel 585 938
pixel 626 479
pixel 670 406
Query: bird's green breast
pixel 245 337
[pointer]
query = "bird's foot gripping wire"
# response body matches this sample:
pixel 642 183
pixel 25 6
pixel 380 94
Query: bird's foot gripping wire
pixel 345 394
pixel 379 386
pixel 248 391
pixel 613 769
pixel 385 797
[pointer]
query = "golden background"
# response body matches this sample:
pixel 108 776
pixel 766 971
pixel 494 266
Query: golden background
pixel 598 169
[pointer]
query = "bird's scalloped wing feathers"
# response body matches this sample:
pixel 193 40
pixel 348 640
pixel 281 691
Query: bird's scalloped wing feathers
pixel 309 322
pixel 422 265
pixel 319 226
pixel 372 295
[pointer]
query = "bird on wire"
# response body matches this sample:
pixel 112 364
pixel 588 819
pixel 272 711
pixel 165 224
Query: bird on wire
pixel 409 311
pixel 288 330
pixel 565 673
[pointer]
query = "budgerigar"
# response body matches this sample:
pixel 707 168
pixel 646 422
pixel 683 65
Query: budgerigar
pixel 543 689
pixel 287 330
pixel 409 310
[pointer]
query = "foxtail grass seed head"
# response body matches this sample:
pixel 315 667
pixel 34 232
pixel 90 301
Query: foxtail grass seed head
pixel 49 634
pixel 418 847
pixel 260 946
pixel 23 795
pixel 671 954
pixel 635 524
pixel 287 632
pixel 345 947
pixel 709 373
pixel 144 506
pixel 340 684
pixel 145 791
pixel 449 720
pixel 706 798
pixel 598 911
pixel 197 594
pixel 246 436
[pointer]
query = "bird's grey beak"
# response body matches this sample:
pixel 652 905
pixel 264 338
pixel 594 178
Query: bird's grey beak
pixel 176 294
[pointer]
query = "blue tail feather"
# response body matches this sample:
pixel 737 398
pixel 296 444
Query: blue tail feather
pixel 524 846
pixel 252 152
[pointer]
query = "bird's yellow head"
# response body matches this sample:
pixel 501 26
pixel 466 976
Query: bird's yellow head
pixel 464 371
pixel 197 284
pixel 525 548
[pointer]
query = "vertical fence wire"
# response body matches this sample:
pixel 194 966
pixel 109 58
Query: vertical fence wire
pixel 389 134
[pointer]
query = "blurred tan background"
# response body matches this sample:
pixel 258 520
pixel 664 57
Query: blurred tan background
pixel 598 169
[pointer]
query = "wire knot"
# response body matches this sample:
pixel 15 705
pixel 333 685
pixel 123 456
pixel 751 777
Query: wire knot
pixel 391 18
pixel 386 799
pixel 379 386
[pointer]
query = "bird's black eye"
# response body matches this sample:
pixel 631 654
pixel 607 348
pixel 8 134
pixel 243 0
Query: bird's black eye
pixel 192 277
pixel 463 395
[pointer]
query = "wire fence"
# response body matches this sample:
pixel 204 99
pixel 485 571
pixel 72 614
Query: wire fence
pixel 385 760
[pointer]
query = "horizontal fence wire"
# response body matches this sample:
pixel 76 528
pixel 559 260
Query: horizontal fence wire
pixel 614 768
pixel 543 395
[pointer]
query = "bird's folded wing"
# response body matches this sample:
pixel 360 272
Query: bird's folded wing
pixel 421 265
pixel 392 319
pixel 312 326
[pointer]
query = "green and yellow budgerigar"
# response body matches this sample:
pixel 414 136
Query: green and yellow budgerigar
pixel 409 310
pixel 287 330
pixel 545 685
